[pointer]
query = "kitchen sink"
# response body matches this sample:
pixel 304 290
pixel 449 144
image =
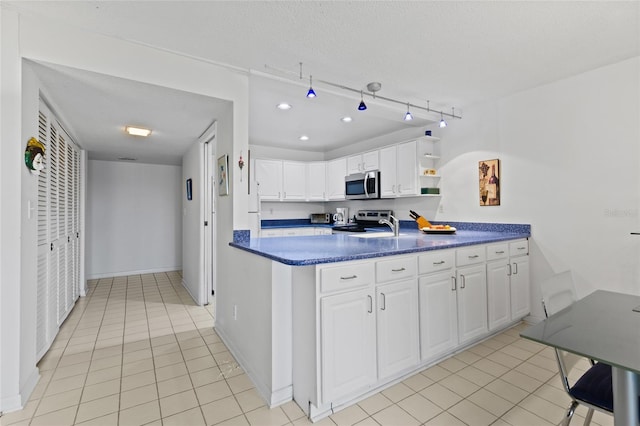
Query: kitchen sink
pixel 375 235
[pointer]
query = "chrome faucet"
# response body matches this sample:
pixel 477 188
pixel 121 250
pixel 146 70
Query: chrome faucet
pixel 394 225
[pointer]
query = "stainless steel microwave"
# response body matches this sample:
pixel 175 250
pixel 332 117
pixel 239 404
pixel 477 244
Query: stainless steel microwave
pixel 362 186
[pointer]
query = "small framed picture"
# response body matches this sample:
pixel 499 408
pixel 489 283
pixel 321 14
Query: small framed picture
pixel 489 182
pixel 223 175
pixel 189 189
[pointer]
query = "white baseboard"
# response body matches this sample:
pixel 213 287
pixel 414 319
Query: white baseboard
pixel 136 272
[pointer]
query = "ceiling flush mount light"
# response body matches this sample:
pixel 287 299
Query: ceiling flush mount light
pixel 311 94
pixel 362 105
pixel 283 106
pixel 304 138
pixel 346 119
pixel 408 116
pixel 137 131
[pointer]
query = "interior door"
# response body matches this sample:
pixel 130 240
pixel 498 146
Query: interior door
pixel 208 213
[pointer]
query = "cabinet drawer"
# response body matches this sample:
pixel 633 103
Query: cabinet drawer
pixel 439 260
pixel 471 255
pixel 497 251
pixel 395 269
pixel 345 277
pixel 519 248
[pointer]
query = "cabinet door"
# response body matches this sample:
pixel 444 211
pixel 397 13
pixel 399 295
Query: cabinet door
pixel 520 299
pixel 316 181
pixel 498 294
pixel 370 161
pixel 407 169
pixel 472 302
pixel 269 177
pixel 397 327
pixel 388 162
pixel 336 171
pixel 354 164
pixel 438 314
pixel 294 180
pixel 348 351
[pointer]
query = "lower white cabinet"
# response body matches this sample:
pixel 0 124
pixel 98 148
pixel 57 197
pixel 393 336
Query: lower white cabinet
pixel 348 348
pixel 472 302
pixel 397 327
pixel 360 325
pixel 438 314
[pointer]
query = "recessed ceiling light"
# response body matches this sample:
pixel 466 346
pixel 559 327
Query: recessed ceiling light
pixel 283 106
pixel 137 131
pixel 346 119
pixel 304 138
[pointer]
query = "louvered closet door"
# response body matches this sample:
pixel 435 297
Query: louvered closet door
pixel 58 230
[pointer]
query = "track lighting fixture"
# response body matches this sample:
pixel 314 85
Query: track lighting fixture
pixel 362 105
pixel 372 88
pixel 311 93
pixel 408 116
pixel 442 122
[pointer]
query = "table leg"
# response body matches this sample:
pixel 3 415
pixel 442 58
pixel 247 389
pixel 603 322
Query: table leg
pixel 625 396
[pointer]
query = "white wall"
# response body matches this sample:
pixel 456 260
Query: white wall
pixel 191 232
pixel 570 161
pixel 134 220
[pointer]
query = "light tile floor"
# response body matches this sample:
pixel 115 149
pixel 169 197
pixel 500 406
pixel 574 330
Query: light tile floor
pixel 137 350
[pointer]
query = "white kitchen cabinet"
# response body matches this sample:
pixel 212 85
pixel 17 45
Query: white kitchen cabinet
pixel 507 283
pixel 428 154
pixel 322 231
pixel 520 281
pixel 472 302
pixel 317 181
pixel 398 170
pixel 348 343
pixel 360 163
pixel 336 172
pixel 438 314
pixel 388 167
pixel 268 174
pixel 270 232
pixel 294 181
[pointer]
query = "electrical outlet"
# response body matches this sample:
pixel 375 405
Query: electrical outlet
pixel 235 312
pixel 441 208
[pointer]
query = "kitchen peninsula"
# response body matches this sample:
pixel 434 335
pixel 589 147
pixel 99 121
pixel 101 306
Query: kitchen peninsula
pixel 329 319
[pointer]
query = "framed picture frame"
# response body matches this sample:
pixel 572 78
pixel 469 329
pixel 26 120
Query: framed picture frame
pixel 189 189
pixel 223 175
pixel 489 182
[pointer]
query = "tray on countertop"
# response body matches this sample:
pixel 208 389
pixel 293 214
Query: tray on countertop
pixel 428 230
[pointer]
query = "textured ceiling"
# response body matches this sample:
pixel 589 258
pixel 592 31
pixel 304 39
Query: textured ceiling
pixel 453 53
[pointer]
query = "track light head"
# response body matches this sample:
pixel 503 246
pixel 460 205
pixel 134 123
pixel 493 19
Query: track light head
pixel 362 105
pixel 408 116
pixel 311 93
pixel 442 122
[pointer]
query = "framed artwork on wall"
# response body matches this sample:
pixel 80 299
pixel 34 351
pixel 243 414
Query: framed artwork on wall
pixel 489 182
pixel 223 175
pixel 189 189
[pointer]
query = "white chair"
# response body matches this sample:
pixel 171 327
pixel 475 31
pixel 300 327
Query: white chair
pixel 593 389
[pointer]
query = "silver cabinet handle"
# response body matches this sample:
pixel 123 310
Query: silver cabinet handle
pixel 462 281
pixel 515 272
pixel 438 263
pixel 398 270
pixel 384 302
pixel 473 256
pixel 500 252
pixel 453 283
pixel 509 273
pixel 370 310
pixel 352 277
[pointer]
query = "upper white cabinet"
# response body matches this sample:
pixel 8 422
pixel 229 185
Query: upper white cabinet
pixel 268 174
pixel 281 180
pixel 398 170
pixel 294 181
pixel 428 155
pixel 317 181
pixel 362 162
pixel 336 171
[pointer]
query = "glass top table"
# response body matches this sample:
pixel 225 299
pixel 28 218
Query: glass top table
pixel 602 326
